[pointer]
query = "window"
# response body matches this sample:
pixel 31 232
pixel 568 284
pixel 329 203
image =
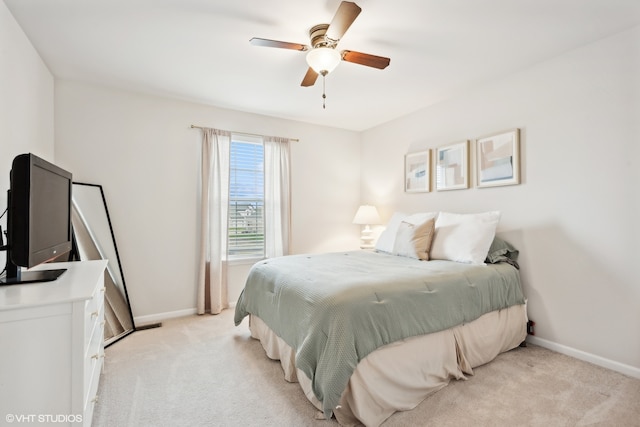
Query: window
pixel 246 197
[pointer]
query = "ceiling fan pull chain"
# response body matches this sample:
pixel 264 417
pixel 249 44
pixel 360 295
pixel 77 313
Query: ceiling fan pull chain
pixel 324 96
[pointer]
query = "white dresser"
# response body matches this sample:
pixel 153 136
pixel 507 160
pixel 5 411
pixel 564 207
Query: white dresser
pixel 52 347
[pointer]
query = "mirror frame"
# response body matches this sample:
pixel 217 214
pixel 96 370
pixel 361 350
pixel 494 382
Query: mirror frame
pixel 76 256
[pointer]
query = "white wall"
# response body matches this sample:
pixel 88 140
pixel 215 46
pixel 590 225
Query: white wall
pixel 575 215
pixel 26 103
pixel 141 150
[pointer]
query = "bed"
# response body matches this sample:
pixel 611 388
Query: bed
pixel 369 333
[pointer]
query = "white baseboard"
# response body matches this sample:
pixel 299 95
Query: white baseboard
pixel 628 370
pixel 159 317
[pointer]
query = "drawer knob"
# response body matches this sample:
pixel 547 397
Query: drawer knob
pixel 95 399
pixel 96 356
pixel 94 314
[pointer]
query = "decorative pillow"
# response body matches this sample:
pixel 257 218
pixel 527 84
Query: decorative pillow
pixel 414 240
pixel 464 237
pixel 387 238
pixel 502 251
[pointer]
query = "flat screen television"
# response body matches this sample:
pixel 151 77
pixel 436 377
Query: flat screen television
pixel 38 219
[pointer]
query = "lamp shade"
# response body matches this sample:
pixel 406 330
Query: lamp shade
pixel 366 215
pixel 323 59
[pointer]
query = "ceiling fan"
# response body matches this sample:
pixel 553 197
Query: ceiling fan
pixel 322 55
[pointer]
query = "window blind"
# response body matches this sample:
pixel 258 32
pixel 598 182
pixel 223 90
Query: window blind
pixel 246 198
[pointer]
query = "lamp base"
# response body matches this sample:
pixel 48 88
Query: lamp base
pixel 366 238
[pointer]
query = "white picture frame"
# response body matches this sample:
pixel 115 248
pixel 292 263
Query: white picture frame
pixel 498 159
pixel 417 172
pixel 452 166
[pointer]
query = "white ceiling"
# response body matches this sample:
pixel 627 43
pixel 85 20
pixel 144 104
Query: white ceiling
pixel 198 50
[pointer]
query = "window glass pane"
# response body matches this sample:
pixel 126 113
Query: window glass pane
pixel 246 199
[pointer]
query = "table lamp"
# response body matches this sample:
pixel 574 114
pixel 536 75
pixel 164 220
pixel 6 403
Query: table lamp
pixel 367 215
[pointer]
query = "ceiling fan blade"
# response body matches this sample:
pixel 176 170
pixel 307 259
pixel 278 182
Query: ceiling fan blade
pixel 256 41
pixel 346 14
pixel 309 78
pixel 374 61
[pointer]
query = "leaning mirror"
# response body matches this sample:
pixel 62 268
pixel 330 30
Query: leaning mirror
pixel 94 239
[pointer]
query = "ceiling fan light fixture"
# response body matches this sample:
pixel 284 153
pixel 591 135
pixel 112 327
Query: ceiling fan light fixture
pixel 323 60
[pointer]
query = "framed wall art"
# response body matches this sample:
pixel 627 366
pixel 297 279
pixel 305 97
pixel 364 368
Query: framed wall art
pixel 498 159
pixel 452 166
pixel 417 172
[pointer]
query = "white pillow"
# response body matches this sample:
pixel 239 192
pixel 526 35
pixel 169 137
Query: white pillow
pixel 464 237
pixel 386 241
pixel 388 236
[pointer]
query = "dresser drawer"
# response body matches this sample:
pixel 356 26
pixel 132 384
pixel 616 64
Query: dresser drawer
pixel 92 400
pixel 94 358
pixel 93 314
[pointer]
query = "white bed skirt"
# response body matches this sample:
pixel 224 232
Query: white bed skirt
pixel 398 376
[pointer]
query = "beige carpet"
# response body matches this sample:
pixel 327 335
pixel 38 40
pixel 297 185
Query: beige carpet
pixel 203 371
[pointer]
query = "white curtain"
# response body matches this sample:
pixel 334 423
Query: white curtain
pixel 212 280
pixel 277 196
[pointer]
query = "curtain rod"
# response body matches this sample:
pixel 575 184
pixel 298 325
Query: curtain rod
pixel 242 133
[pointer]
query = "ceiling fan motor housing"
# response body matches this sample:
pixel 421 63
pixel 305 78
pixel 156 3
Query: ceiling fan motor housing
pixel 318 38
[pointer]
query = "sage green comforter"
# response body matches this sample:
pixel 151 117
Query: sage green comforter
pixel 336 308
